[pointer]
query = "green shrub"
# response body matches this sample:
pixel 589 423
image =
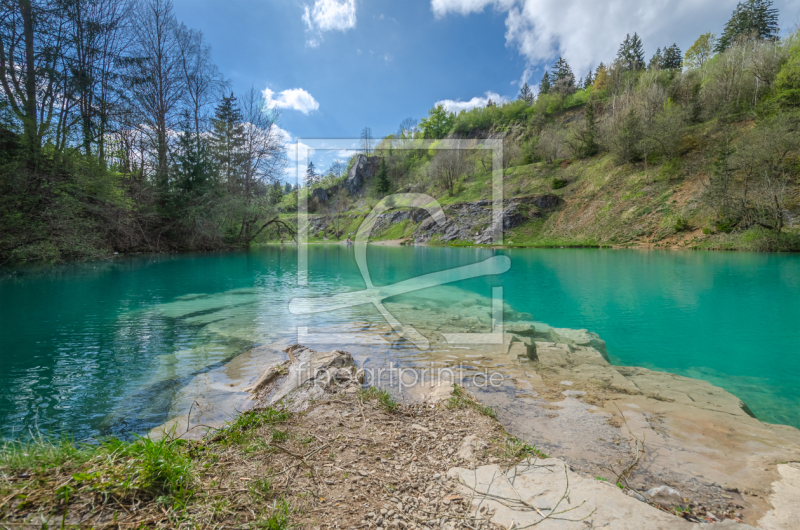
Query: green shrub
pixel 682 225
pixel 558 183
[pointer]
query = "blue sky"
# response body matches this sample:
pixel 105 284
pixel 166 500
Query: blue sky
pixel 336 66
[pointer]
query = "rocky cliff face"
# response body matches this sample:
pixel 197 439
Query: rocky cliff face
pixel 363 169
pixel 472 221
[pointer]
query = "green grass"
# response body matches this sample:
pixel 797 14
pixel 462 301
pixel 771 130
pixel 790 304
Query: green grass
pixel 462 399
pixel 516 449
pixel 239 431
pixel 160 468
pixel 278 518
pixel 385 399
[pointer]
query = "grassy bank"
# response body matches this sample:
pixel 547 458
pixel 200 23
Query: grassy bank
pixel 267 469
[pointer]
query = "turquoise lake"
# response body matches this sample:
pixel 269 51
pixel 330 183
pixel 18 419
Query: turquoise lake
pixel 100 348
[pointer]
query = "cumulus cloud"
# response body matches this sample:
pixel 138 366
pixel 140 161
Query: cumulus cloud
pixel 586 32
pixel 328 15
pixel 293 98
pixel 457 106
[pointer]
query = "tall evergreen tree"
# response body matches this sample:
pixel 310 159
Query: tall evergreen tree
pixel 526 94
pixel 275 192
pixel 311 175
pixel 382 182
pixel 589 81
pixel 673 58
pixel 630 55
pixel 656 61
pixel 227 141
pixel 751 19
pixel 544 86
pixel 563 79
pixel 287 189
pixel 193 169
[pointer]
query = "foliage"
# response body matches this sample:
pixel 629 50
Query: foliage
pixel 751 19
pixel 385 399
pixel 462 399
pixel 382 183
pixel 437 123
pixel 701 51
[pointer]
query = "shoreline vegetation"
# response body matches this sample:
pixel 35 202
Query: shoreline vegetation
pixel 323 447
pixel 684 150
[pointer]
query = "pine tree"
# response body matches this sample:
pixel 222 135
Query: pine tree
pixel 752 19
pixel 599 68
pixel 311 175
pixel 275 192
pixel 382 182
pixel 526 94
pixel 227 141
pixel 589 81
pixel 673 59
pixel 631 53
pixel 544 86
pixel 656 60
pixel 193 168
pixel 563 78
pixel 287 189
pixel 490 103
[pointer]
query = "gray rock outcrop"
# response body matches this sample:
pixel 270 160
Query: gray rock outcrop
pixel 321 194
pixel 363 168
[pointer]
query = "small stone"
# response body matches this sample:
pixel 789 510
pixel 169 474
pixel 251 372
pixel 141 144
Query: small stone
pixel 665 495
pixel 566 383
pixel 436 476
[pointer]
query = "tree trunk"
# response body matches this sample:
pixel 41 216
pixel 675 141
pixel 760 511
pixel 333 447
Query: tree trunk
pixel 30 125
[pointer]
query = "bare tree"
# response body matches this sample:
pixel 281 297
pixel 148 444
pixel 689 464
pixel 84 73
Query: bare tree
pixel 550 144
pixel 263 157
pixel 407 129
pixel 337 169
pixel 367 141
pixel 447 167
pixel 32 38
pixel 203 80
pixel 157 74
pixel 98 34
pixel 511 152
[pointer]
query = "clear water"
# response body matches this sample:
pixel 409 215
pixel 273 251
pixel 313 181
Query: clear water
pixel 102 348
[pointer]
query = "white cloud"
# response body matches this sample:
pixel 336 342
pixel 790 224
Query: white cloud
pixel 293 98
pixel 328 15
pixel 387 57
pixel 297 153
pixel 457 106
pixel 465 7
pixel 586 32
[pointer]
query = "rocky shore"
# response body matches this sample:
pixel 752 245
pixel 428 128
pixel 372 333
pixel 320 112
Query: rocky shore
pixel 643 449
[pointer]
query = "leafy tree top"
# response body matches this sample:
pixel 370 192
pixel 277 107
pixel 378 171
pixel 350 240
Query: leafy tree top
pixel 437 123
pixel 701 51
